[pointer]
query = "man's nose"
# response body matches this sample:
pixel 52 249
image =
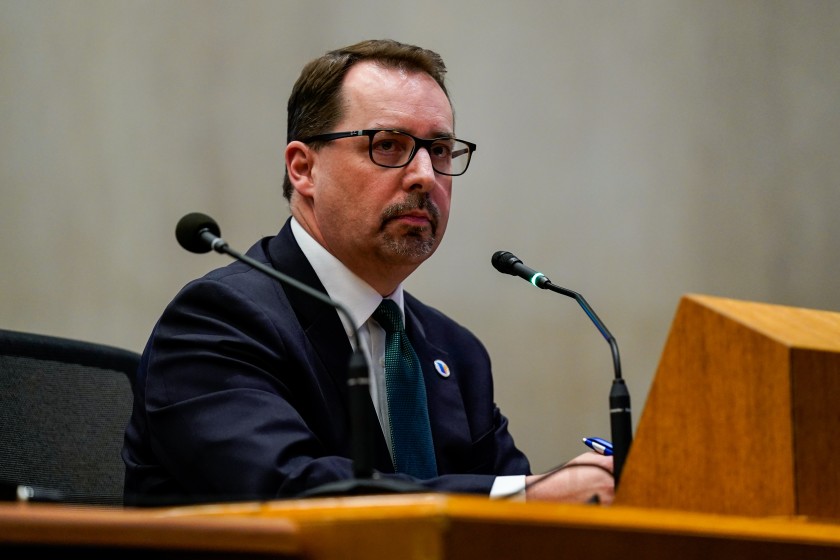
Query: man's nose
pixel 420 173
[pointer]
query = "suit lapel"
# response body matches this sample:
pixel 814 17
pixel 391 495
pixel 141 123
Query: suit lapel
pixel 322 326
pixel 319 320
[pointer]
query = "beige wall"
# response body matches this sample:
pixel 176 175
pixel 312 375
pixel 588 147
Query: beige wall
pixel 633 151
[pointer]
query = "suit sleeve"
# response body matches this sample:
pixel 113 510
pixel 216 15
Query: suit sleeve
pixel 229 409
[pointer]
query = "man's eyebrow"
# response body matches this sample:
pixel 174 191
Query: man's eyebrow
pixel 442 134
pixel 435 134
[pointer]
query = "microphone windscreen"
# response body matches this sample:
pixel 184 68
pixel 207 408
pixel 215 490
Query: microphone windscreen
pixel 503 261
pixel 189 229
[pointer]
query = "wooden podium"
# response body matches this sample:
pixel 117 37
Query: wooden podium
pixel 743 415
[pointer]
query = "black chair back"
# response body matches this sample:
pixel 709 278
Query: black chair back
pixel 64 405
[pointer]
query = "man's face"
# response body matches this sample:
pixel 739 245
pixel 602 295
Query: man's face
pixel 376 219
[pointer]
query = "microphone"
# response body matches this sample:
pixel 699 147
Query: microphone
pixel 621 424
pixel 507 263
pixel 199 233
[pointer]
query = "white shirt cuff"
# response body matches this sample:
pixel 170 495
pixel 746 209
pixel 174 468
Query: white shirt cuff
pixel 510 487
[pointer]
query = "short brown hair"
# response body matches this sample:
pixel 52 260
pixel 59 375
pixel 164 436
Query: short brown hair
pixel 315 104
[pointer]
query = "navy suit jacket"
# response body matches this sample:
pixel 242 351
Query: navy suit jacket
pixel 241 393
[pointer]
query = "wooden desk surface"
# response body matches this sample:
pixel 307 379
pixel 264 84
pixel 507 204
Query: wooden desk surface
pixel 421 526
pixel 27 528
pixel 441 526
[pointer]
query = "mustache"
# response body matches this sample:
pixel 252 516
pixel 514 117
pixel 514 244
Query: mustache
pixel 414 201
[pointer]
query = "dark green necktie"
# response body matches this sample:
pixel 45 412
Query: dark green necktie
pixel 411 434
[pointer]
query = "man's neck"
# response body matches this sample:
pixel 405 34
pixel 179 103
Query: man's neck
pixel 383 278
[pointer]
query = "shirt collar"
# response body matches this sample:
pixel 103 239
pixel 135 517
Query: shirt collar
pixel 341 284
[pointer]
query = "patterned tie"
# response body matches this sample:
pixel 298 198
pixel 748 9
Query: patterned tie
pixel 411 435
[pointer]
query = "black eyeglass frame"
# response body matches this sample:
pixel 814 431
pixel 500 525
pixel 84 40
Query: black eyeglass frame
pixel 418 143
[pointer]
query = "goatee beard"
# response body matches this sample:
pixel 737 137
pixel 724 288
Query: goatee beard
pixel 415 242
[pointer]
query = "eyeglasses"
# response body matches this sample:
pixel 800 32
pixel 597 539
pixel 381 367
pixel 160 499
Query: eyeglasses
pixel 392 148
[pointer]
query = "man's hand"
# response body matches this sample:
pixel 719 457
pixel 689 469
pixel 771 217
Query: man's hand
pixel 577 482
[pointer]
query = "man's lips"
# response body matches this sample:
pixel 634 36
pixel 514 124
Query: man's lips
pixel 414 218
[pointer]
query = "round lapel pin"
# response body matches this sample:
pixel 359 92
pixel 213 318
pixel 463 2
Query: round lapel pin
pixel 442 368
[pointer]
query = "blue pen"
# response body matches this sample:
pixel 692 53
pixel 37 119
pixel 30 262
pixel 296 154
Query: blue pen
pixel 599 445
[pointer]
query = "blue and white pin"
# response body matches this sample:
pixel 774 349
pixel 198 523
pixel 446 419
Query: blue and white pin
pixel 442 368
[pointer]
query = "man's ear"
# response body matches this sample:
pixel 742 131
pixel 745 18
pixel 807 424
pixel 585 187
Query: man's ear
pixel 299 161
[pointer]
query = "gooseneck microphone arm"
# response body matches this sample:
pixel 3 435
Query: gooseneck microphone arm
pixel 621 423
pixel 199 233
pixel 595 319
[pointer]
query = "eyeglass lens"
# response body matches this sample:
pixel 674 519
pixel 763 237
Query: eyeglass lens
pixel 394 149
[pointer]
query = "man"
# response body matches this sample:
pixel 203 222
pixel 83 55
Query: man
pixel 241 391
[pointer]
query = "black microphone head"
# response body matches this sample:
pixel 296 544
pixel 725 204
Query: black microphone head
pixel 503 261
pixel 189 230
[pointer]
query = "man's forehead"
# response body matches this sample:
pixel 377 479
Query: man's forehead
pixel 378 91
pixel 372 75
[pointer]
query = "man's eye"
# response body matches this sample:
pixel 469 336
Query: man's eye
pixel 441 150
